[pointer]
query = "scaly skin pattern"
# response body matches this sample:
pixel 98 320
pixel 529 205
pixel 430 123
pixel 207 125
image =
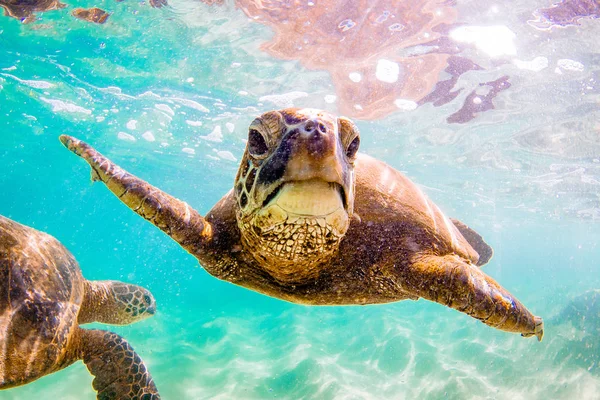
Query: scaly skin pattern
pixel 114 302
pixel 43 298
pixel 119 372
pixel 393 243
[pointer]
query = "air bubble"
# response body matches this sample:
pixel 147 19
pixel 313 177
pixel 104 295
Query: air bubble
pixel 346 25
pixel 396 27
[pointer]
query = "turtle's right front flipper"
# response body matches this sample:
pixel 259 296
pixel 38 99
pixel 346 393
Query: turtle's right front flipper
pixel 119 372
pixel 173 216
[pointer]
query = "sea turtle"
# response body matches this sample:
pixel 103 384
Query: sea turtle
pixel 312 221
pixel 43 300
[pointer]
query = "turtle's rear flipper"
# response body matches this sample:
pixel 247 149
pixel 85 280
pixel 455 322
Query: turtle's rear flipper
pixel 119 372
pixel 476 241
pixel 173 216
pixel 451 281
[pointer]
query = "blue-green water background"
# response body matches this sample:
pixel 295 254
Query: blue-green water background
pixel 535 200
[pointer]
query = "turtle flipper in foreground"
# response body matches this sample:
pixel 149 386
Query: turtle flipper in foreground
pixel 44 298
pixel 119 372
pixel 311 221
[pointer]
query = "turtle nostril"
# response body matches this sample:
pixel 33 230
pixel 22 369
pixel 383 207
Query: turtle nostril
pixel 309 127
pixel 322 127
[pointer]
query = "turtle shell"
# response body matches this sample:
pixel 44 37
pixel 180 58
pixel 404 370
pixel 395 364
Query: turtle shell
pixel 41 290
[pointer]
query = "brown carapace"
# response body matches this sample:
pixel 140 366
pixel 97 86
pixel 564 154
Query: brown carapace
pixel 312 221
pixel 44 298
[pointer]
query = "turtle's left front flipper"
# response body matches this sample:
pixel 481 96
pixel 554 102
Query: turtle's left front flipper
pixel 451 281
pixel 119 372
pixel 173 216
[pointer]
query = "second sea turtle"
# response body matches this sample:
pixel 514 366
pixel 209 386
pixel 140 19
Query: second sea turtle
pixel 43 300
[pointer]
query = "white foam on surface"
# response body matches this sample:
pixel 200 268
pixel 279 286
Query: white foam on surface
pixel 191 104
pixel 131 124
pixel 570 65
pixel 59 105
pixel 188 150
pixel 35 84
pixel 126 136
pixel 387 71
pixel 536 65
pixel 284 100
pixel 166 108
pixel 405 105
pixel 149 136
pixel 496 40
pixel 215 136
pixel 118 92
pixel 225 155
pixel 149 94
pixel 355 77
pixel 193 123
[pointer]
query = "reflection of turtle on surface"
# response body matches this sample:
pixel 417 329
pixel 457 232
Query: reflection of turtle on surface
pixel 24 10
pixel 43 300
pixel 311 221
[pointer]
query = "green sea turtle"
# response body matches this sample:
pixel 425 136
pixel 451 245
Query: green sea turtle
pixel 312 221
pixel 43 300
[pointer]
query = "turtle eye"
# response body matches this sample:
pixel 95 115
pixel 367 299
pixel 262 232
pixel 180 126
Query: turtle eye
pixel 353 148
pixel 256 143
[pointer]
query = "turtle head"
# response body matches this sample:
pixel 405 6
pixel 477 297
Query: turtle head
pixel 114 302
pixel 132 303
pixel 295 190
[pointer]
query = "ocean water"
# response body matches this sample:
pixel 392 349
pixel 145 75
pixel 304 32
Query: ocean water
pixel 494 108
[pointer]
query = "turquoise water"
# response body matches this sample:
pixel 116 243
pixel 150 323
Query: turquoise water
pixel 168 94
